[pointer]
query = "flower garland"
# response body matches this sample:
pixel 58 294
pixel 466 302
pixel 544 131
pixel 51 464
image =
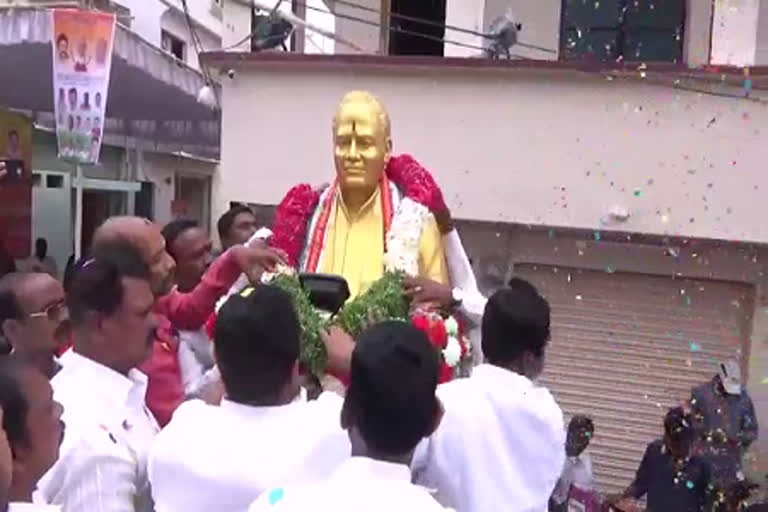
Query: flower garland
pixel 296 211
pixel 305 211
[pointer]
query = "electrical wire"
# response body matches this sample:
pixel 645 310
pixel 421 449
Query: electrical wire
pixel 197 46
pixel 392 29
pixel 433 23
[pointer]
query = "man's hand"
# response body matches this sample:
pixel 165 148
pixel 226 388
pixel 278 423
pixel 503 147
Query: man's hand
pixel 253 261
pixel 422 290
pixel 339 346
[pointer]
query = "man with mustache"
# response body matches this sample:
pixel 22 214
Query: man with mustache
pixel 33 319
pixel 174 309
pixel 102 465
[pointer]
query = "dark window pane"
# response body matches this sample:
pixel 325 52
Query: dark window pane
pixel 669 14
pixel 653 45
pixel 601 45
pixel 591 13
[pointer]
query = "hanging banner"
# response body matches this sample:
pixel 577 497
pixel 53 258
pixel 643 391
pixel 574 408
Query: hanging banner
pixel 15 185
pixel 82 58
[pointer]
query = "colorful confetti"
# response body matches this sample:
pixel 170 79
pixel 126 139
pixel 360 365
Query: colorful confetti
pixel 695 347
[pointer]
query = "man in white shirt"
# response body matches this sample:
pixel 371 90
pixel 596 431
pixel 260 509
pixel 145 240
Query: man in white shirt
pixel 389 407
pixel 102 467
pixel 501 444
pixel 264 433
pixel 577 471
pixel 32 428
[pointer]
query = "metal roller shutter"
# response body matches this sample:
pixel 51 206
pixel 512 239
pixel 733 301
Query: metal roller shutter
pixel 626 347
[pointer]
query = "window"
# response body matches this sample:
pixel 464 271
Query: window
pixel 408 35
pixel 173 45
pixel 616 30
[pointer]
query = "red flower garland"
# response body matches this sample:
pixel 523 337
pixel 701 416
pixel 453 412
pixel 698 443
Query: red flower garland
pixel 291 219
pixel 294 212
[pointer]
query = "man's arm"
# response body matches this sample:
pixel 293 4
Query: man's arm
pixel 639 487
pixel 189 311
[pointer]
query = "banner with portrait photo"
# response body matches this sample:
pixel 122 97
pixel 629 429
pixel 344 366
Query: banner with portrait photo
pixel 82 59
pixel 15 184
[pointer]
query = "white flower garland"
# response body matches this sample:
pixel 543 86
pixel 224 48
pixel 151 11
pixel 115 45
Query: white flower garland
pixel 404 237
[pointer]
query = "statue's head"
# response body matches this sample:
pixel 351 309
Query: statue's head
pixel 362 141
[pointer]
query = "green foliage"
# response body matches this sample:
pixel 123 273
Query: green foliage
pixel 384 300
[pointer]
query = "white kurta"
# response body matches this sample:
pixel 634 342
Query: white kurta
pixel 32 507
pixel 359 484
pixel 109 430
pixel 500 446
pixel 222 458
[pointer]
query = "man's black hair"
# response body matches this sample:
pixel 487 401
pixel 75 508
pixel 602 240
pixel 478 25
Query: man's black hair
pixel 62 37
pixel 391 396
pixel 12 399
pixel 228 219
pixel 581 423
pixel 257 344
pixel 516 320
pixel 174 230
pixel 97 283
pixel 677 424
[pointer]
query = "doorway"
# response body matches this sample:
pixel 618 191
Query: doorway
pixel 417 27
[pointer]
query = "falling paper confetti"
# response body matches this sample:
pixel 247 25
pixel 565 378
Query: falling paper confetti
pixel 695 347
pixel 638 192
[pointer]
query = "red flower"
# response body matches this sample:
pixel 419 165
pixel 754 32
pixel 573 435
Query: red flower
pixel 416 182
pixel 421 323
pixel 210 325
pixel 437 334
pixel 292 220
pixel 445 374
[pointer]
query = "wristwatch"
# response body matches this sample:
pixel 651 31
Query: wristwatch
pixel 457 294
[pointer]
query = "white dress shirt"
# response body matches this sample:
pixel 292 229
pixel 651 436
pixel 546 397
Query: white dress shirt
pixel 359 484
pixel 577 472
pixel 196 362
pixel 109 430
pixel 463 277
pixel 222 458
pixel 500 445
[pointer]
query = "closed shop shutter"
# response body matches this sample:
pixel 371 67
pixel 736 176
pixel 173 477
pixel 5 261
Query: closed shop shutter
pixel 626 347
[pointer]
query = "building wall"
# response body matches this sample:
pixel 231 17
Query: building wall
pixel 761 55
pixel 469 15
pixel 176 24
pixel 364 35
pixel 525 146
pixel 541 24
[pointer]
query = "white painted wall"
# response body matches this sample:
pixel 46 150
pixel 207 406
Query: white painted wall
pixel 761 54
pixel 466 14
pixel 734 32
pixel 365 36
pixel 532 147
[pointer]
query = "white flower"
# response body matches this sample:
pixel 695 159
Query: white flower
pixel 452 351
pixel 451 326
pixel 404 236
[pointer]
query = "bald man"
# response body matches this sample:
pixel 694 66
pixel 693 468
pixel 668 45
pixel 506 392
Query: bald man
pixel 176 310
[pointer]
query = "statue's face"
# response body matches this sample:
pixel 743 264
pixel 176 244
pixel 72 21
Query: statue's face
pixel 362 146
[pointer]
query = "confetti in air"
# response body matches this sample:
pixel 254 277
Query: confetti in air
pixel 695 347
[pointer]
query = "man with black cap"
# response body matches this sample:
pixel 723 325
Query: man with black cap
pixel 724 422
pixel 390 406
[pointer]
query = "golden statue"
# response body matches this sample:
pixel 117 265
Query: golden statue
pixel 349 227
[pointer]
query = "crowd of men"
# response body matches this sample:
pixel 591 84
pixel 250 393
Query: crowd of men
pixel 114 399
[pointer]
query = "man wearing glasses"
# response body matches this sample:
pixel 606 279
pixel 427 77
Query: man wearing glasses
pixel 34 319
